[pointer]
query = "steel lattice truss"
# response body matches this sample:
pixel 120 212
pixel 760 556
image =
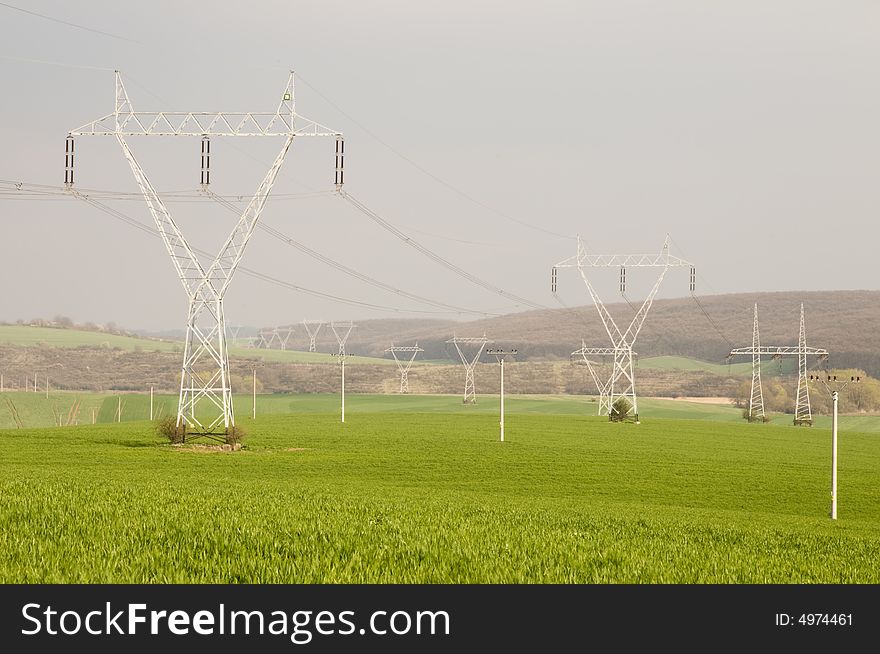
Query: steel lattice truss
pixel 621 383
pixel 470 362
pixel 803 414
pixel 205 369
pixel 603 385
pixel 404 364
pixel 312 329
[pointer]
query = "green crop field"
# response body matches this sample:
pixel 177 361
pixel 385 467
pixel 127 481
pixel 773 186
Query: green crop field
pixel 36 411
pixel 420 495
pixel 26 335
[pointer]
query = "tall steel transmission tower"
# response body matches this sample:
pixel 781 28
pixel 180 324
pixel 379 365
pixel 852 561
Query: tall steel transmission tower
pixel 802 411
pixel 312 329
pixel 205 369
pixel 404 364
pixel 470 362
pixel 803 415
pixel 622 382
pixel 756 397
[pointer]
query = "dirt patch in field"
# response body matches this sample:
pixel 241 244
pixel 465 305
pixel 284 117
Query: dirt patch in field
pixel 202 448
pixel 297 449
pixel 699 400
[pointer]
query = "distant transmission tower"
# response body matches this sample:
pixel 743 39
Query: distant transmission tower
pixel 284 338
pixel 756 398
pixel 312 329
pixel 205 369
pixel 403 365
pixel 342 335
pixel 802 412
pixel 470 362
pixel 622 382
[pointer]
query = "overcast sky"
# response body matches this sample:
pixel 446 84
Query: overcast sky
pixel 746 129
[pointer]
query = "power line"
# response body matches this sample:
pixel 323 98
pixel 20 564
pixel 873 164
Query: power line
pixel 428 173
pixel 132 222
pixel 372 215
pixel 284 238
pixel 69 24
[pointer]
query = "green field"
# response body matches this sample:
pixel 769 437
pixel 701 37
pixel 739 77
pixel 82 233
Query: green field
pixel 32 336
pixel 26 335
pixel 36 411
pixel 424 492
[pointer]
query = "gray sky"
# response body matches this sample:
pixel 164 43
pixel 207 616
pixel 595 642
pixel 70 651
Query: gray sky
pixel 746 129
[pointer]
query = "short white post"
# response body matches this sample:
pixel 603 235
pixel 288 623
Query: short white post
pixel 151 402
pixel 118 408
pixel 47 385
pixel 834 455
pixel 255 393
pixel 343 388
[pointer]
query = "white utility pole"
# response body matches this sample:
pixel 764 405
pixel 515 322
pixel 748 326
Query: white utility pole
pixel 500 355
pixel 151 401
pixel 834 387
pixel 342 335
pixel 206 348
pixel 403 365
pixel 622 381
pixel 470 362
pixel 803 413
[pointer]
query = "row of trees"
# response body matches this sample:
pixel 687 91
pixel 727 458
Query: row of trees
pixel 780 394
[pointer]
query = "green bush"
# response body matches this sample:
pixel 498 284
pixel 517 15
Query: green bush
pixel 235 435
pixel 620 410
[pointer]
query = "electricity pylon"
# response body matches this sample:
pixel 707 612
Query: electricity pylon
pixel 205 369
pixel 285 338
pixel 756 397
pixel 500 355
pixel 342 335
pixel 403 365
pixel 622 382
pixel 470 362
pixel 581 356
pixel 312 329
pixel 802 412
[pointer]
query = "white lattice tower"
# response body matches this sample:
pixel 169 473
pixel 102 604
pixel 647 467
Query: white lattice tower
pixel 603 384
pixel 803 414
pixel 756 398
pixel 205 368
pixel 470 362
pixel 284 336
pixel 342 330
pixel 312 329
pixel 405 363
pixel 621 383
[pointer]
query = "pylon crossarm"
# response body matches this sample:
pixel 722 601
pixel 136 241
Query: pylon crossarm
pixel 775 351
pixel 124 121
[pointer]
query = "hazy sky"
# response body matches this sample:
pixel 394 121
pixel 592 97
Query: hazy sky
pixel 746 129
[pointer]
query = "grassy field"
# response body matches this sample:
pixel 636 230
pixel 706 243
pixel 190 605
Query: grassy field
pixel 26 335
pixel 30 336
pixel 36 411
pixel 422 496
